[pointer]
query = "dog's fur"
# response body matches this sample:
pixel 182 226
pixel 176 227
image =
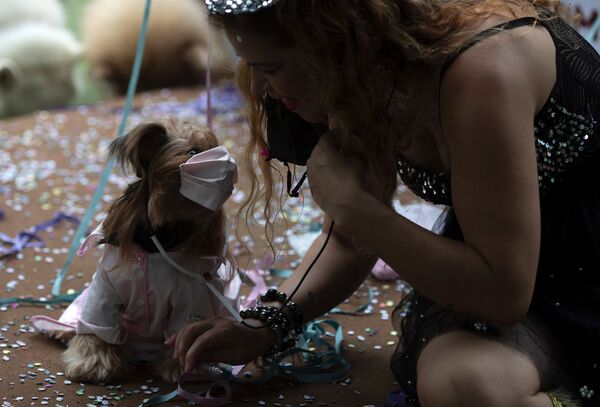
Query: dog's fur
pixel 37 56
pixel 50 12
pixel 155 152
pixel 176 47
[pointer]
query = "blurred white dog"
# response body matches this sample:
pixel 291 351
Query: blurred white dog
pixel 37 56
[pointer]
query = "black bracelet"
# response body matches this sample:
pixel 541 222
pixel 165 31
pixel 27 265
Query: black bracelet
pixel 272 318
pixel 278 321
pixel 272 295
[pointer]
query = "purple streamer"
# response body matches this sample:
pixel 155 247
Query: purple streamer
pixel 29 237
pixel 396 399
pixel 223 99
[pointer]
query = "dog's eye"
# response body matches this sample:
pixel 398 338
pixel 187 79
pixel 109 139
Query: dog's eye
pixel 193 152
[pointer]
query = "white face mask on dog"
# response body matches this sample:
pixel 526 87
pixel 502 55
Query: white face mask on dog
pixel 208 177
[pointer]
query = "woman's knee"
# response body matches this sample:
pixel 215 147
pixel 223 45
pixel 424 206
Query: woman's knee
pixel 463 369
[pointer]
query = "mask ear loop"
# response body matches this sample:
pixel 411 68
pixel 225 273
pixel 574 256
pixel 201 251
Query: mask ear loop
pixel 185 271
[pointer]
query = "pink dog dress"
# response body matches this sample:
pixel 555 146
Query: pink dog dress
pixel 141 303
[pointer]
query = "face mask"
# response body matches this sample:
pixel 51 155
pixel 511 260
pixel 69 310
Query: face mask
pixel 208 177
pixel 290 138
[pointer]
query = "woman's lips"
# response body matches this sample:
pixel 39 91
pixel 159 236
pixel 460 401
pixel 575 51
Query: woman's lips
pixel 291 104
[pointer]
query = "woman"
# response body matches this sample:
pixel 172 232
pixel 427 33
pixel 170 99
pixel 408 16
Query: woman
pixel 488 106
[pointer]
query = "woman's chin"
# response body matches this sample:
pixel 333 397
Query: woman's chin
pixel 311 117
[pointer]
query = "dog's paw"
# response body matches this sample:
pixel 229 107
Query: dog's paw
pixel 62 336
pixel 168 370
pixel 90 359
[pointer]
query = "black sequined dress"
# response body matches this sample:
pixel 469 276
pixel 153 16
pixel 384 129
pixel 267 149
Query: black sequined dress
pixel 561 332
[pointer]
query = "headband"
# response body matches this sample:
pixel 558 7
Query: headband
pixel 237 6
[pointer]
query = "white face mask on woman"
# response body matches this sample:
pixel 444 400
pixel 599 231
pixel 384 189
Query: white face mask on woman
pixel 207 178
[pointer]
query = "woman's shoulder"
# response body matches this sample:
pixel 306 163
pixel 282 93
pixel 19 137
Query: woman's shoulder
pixel 522 56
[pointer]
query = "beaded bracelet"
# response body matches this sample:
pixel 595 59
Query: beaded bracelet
pixel 278 321
pixel 272 295
pixel 275 320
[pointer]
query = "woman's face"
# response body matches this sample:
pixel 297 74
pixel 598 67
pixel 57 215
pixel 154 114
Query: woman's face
pixel 278 72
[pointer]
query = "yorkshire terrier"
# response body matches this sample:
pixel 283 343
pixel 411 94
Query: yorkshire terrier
pixel 137 297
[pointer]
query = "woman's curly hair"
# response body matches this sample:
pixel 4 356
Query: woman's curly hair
pixel 347 43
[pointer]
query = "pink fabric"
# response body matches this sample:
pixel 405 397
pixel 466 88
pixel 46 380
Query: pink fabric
pixel 256 276
pixel 382 271
pixel 141 303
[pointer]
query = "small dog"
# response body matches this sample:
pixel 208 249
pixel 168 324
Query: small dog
pixel 176 49
pixel 137 297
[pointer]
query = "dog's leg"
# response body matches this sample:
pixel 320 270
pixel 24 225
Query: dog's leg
pixel 88 358
pixel 167 368
pixel 62 336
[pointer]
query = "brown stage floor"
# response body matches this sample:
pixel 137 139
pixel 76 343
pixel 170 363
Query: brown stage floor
pixel 51 162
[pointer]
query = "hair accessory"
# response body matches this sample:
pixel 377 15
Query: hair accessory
pixel 265 153
pixel 237 6
pixel 207 178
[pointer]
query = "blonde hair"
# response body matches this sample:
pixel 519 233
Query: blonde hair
pixel 345 47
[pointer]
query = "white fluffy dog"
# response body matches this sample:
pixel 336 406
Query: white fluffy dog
pixel 14 12
pixel 37 56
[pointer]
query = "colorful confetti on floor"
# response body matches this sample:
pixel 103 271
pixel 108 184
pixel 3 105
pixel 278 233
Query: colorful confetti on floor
pixel 49 166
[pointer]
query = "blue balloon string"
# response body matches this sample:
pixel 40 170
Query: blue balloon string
pixel 81 230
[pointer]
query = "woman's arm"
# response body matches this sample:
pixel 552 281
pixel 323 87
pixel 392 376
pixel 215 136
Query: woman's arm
pixel 489 99
pixel 337 273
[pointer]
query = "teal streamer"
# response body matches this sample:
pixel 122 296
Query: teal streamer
pixel 139 53
pixel 593 30
pixel 359 310
pixel 55 300
pixel 281 273
pixel 159 399
pixel 316 363
pixel 316 368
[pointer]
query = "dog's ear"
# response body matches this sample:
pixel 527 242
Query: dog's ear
pixel 138 147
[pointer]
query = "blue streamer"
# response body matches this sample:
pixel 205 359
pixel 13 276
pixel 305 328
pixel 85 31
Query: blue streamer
pixel 57 299
pixel 317 367
pixel 81 230
pixel 593 30
pixel 361 310
pixel 159 399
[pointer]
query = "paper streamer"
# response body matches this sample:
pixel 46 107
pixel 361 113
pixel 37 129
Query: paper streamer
pixel 29 237
pixel 135 73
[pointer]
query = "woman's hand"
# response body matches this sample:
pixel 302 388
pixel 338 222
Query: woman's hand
pixel 334 178
pixel 220 340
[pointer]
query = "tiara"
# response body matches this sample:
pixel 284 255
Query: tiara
pixel 237 6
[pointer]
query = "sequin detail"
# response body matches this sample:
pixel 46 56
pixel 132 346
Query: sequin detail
pixel 433 186
pixel 237 6
pixel 562 139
